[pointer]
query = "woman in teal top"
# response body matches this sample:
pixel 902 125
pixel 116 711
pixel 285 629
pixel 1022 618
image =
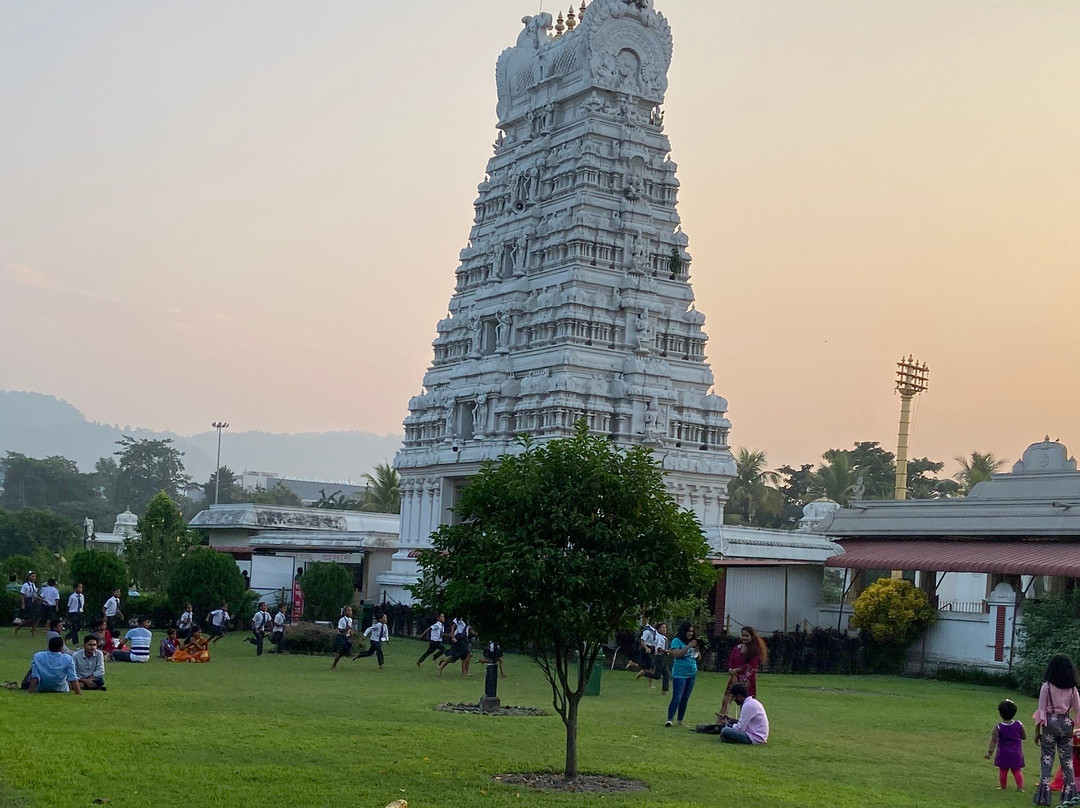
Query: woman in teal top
pixel 683 671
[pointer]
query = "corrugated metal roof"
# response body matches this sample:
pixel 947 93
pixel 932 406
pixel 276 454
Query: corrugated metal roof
pixel 1054 558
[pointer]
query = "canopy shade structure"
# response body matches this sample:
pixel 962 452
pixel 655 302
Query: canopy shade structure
pixel 1055 558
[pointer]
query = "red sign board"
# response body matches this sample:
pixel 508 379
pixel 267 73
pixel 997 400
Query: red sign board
pixel 297 602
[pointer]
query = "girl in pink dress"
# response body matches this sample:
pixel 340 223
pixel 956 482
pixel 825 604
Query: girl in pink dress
pixel 743 663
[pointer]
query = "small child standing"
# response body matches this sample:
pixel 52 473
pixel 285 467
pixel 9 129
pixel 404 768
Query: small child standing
pixel 1008 736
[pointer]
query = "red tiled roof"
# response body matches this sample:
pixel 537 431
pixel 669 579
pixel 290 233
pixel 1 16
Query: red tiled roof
pixel 1056 558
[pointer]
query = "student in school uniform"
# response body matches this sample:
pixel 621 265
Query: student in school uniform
pixel 75 606
pixel 50 596
pixel 343 640
pixel 434 632
pixel 377 633
pixel 460 648
pixel 139 641
pixel 184 624
pixel 30 604
pixel 112 612
pixel 277 637
pixel 260 625
pixel 218 619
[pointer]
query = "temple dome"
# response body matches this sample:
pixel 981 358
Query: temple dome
pixel 1045 457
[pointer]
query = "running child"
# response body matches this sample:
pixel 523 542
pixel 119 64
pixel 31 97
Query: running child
pixel 218 619
pixel 260 625
pixel 434 632
pixel 377 633
pixel 1008 736
pixel 343 639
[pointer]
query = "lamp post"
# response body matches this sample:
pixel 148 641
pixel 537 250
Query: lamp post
pixel 218 425
pixel 912 378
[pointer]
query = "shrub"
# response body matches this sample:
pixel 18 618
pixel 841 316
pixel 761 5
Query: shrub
pixel 308 638
pixel 9 606
pixel 17 564
pixel 820 650
pixel 1050 626
pixel 206 577
pixel 963 674
pixel 326 588
pixel 153 605
pixel 893 613
pixel 99 572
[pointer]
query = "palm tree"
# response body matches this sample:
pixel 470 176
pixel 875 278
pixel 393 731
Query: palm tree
pixel 979 468
pixel 384 490
pixel 752 490
pixel 835 479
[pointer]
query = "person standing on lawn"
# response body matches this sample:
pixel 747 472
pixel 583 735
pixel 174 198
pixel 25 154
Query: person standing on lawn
pixel 684 652
pixel 1008 736
pixel 343 639
pixel 1059 705
pixel 50 596
pixel 186 621
pixel 434 633
pixel 29 604
pixel 753 724
pixel 260 624
pixel 75 606
pixel 112 612
pixel 377 633
pixel 277 637
pixel 743 663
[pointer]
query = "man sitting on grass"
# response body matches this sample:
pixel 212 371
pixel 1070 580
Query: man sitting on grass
pixel 90 664
pixel 53 671
pixel 138 641
pixel 752 726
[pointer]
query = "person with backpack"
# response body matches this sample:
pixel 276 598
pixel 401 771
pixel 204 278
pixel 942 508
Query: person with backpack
pixel 260 624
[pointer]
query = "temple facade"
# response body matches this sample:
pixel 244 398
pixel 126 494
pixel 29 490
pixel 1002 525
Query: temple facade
pixel 573 297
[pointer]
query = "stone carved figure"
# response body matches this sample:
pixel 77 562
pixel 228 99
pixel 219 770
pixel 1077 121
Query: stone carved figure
pixel 858 490
pixel 641 331
pixel 635 186
pixel 502 331
pixel 479 415
pixel 448 419
pixel 640 255
pixel 535 33
pixel 519 255
pixel 655 424
pixel 475 336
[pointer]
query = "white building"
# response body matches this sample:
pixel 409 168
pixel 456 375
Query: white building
pixel 573 296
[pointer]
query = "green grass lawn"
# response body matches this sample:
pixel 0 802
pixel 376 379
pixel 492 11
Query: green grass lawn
pixel 286 731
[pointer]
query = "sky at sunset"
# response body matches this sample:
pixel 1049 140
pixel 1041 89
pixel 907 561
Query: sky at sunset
pixel 252 211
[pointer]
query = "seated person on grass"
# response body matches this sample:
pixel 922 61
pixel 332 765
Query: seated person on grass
pixel 90 664
pixel 56 629
pixel 138 641
pixel 197 649
pixel 752 726
pixel 53 671
pixel 169 644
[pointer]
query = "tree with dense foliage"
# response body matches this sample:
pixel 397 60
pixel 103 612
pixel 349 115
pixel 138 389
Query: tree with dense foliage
pixel 876 466
pixel 835 478
pixel 161 542
pixel 1050 626
pixel 384 490
pixel 921 485
pixel 24 531
pixel 557 548
pixel 146 467
pixel 228 492
pixel 46 483
pixel 975 469
pixel 100 572
pixel 753 498
pixel 276 494
pixel 326 587
pixel 205 578
pixel 894 613
pixel 336 501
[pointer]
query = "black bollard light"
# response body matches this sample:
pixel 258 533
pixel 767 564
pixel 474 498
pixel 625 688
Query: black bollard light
pixel 490 702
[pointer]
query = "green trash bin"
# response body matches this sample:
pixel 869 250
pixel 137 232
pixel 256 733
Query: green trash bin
pixel 592 687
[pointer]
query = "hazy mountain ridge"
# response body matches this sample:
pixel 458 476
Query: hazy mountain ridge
pixel 40 425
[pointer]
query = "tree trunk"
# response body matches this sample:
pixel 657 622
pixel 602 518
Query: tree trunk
pixel 570 773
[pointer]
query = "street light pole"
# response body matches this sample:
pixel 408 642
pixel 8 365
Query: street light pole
pixel 218 425
pixel 911 379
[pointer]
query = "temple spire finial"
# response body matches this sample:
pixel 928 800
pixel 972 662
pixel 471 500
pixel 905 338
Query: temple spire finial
pixel 560 26
pixel 571 19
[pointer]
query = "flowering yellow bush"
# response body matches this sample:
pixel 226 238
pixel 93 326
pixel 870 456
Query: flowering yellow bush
pixel 893 612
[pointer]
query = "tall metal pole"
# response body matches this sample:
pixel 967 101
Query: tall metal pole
pixel 218 425
pixel 912 378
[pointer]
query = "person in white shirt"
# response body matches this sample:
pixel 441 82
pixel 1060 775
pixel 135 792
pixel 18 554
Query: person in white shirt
pixel 661 667
pixel 260 625
pixel 50 596
pixel 460 648
pixel 217 620
pixel 278 635
pixel 139 640
pixel 185 623
pixel 343 640
pixel 30 604
pixel 75 606
pixel 435 633
pixel 377 633
pixel 112 612
pixel 753 725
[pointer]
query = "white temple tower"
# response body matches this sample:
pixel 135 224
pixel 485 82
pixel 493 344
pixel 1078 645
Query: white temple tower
pixel 573 296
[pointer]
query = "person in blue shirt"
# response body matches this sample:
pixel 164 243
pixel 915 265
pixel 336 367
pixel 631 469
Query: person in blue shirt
pixel 53 671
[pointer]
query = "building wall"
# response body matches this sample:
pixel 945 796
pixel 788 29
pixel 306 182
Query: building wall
pixel 755 596
pixel 376 562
